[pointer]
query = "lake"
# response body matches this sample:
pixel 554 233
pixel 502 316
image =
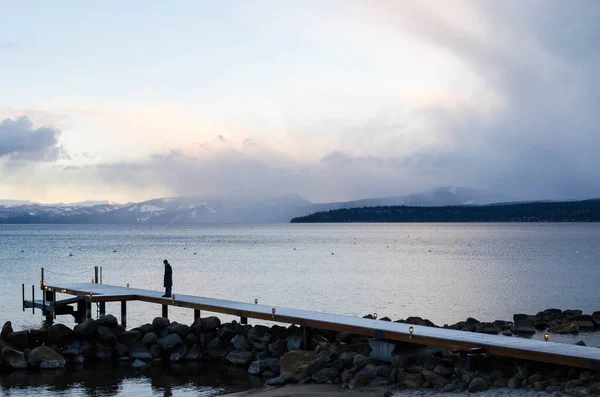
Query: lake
pixel 443 272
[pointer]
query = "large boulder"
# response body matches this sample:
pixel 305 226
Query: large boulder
pixel 523 325
pixel 86 329
pixel 109 321
pixel 103 351
pixel 419 321
pixel 194 353
pixel 240 357
pixel 180 329
pixel 106 335
pixel 257 332
pixel 159 324
pixel 178 353
pixel 14 358
pixel 7 329
pixel 478 384
pixel 139 351
pixel 207 324
pixel 278 348
pixel 19 339
pixel 363 377
pixel 325 375
pixel 129 338
pixel 121 350
pixel 38 337
pixel 45 358
pixel 438 381
pixel 306 370
pixel 294 342
pixel 411 381
pixel 78 348
pixel 240 342
pixel 60 334
pixel 258 367
pixel 150 339
pixel 487 328
pixel 567 328
pixel 226 333
pixel 170 342
pixel 295 359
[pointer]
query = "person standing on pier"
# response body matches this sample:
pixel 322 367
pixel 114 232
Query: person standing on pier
pixel 168 279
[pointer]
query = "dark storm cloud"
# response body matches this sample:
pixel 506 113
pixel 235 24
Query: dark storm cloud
pixel 20 140
pixel 541 59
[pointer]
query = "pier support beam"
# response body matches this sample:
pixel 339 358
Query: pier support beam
pixel 102 306
pixel 50 298
pixel 196 314
pixel 306 335
pixel 88 309
pixel 244 320
pixel 165 311
pixel 124 314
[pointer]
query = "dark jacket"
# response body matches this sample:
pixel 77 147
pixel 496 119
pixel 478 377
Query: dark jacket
pixel 168 276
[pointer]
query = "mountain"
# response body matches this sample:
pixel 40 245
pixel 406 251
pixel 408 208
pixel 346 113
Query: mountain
pixel 447 195
pixel 223 210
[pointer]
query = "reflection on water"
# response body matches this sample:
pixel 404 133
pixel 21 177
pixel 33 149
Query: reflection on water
pixel 121 380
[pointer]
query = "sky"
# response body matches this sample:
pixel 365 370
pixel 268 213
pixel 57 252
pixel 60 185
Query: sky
pixel 335 100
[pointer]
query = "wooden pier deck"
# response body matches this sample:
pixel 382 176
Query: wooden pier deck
pixel 521 348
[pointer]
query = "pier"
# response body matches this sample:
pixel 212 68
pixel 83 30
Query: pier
pixel 83 295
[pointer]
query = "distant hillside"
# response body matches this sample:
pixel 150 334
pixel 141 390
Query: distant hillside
pixel 573 211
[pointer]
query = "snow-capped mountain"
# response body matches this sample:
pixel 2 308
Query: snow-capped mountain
pixel 226 210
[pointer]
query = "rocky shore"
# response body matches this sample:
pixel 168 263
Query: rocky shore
pixel 275 355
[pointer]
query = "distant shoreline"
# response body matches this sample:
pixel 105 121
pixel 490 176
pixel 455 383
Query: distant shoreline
pixel 560 212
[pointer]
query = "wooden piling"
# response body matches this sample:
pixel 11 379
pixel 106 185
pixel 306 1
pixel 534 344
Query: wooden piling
pixel 23 285
pixel 165 311
pixel 124 313
pixel 196 314
pixel 33 298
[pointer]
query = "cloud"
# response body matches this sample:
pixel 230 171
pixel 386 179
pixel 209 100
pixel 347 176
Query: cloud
pixel 20 140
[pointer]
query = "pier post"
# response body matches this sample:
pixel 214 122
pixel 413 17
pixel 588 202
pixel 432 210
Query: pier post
pixel 306 337
pixel 124 313
pixel 165 311
pixel 33 299
pixel 88 308
pixel 196 314
pixel 23 285
pixel 244 320
pixel 42 280
pixel 96 274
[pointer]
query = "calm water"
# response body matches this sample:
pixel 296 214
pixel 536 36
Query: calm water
pixel 444 272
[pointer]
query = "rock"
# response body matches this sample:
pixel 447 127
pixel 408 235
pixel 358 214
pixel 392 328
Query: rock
pixel 411 381
pixel 257 332
pixel 215 353
pixel 500 383
pixel 159 324
pixel 478 384
pixel 388 393
pixel 503 325
pixel 78 348
pixel 38 337
pixel 567 328
pixel 180 329
pixel 139 364
pixel 207 324
pixel 14 358
pixel 149 339
pixel 144 329
pixel 444 371
pixel 347 375
pixel 580 391
pixel 541 385
pixel 537 377
pixel 580 343
pixel 523 325
pixel 514 383
pixel 325 375
pixel 108 321
pixel 191 340
pixel 240 342
pixel 140 352
pixel 278 381
pixel 572 312
pixel 277 348
pixel 378 382
pixel 437 380
pixel 487 328
pixel 554 388
pixel 360 360
pixel 19 339
pixel 7 329
pixel 178 353
pixel 450 387
pixel 129 338
pixel 595 387
pixel 106 335
pixel 294 359
pixel 259 366
pixel 60 334
pixel 170 342
pixel 156 351
pixel 419 321
pixel 86 329
pixel 194 353
pixel 585 325
pixel 507 333
pixel 121 350
pixel 226 333
pixel 347 358
pixel 294 342
pixel 239 357
pixel 103 352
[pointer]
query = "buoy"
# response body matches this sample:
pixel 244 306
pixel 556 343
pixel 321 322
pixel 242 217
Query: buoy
pixel 294 248
pixel 332 253
pixel 70 254
pixel 22 251
pixel 114 250
pixel 194 253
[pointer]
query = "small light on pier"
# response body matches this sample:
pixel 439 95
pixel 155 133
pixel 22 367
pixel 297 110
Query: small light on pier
pixel 64 290
pixel 546 336
pixel 173 297
pixel 273 312
pixel 127 285
pixel 255 301
pixel 375 316
pixel 46 287
pixel 92 280
pixel 411 330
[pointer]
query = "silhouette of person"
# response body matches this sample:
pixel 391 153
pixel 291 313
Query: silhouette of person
pixel 168 279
